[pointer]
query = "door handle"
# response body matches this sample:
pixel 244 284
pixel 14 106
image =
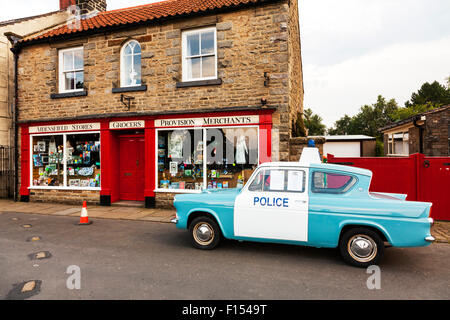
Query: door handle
pixel 128 174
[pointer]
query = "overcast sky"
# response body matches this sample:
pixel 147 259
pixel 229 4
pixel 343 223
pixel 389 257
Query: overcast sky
pixel 353 50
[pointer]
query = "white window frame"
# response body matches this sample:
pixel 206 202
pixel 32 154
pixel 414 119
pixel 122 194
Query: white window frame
pixel 186 58
pixel 122 64
pixel 61 71
pixel 205 164
pixel 65 186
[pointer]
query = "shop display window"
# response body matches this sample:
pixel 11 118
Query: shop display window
pixel 47 158
pixel 180 159
pixel 231 156
pixel 83 160
pixel 66 160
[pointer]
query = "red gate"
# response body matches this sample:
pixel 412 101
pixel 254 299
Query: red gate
pixel 421 178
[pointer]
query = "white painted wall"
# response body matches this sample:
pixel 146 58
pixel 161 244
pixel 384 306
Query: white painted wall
pixel 342 149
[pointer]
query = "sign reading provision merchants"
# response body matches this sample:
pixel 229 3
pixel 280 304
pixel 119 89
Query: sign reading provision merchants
pixel 65 128
pixel 207 121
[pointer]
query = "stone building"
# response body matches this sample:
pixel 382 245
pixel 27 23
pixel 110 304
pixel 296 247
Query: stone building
pixel 146 102
pixel 427 133
pixel 22 27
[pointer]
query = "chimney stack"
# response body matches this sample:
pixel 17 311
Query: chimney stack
pixel 86 6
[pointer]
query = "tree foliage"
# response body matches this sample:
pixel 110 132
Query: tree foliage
pixel 369 119
pixel 430 94
pixel 313 123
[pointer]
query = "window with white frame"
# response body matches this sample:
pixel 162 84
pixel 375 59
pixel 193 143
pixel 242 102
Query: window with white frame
pixel 130 73
pixel 66 160
pixel 398 143
pixel 199 54
pixel 71 70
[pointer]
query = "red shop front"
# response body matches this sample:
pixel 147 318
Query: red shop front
pixel 135 158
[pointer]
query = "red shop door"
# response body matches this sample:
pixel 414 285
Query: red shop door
pixel 132 165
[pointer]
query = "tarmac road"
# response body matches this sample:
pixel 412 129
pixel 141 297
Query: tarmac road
pixel 145 260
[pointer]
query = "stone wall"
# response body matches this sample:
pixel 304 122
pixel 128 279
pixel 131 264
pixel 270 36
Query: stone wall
pixel 436 134
pixel 297 144
pixel 75 197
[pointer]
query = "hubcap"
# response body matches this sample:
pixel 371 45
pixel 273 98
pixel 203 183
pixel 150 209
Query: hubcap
pixel 203 233
pixel 362 248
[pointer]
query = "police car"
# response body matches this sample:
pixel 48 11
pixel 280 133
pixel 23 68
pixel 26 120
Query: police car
pixel 307 203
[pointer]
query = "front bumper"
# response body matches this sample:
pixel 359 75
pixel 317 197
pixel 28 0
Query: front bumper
pixel 430 239
pixel 174 221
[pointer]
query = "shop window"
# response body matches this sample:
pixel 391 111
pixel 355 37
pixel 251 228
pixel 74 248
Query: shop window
pixel 66 160
pixel 71 70
pixel 83 160
pixel 199 55
pixel 232 155
pixel 180 159
pixel 130 74
pixel 48 163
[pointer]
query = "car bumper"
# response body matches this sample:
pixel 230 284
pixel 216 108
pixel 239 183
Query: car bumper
pixel 174 221
pixel 430 239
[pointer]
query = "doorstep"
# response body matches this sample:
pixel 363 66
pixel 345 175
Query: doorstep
pixel 126 212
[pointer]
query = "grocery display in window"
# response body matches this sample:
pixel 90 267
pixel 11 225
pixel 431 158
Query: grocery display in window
pixel 232 155
pixel 47 161
pixel 180 159
pixel 83 160
pixel 66 160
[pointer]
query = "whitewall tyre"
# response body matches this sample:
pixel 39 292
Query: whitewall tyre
pixel 205 233
pixel 361 247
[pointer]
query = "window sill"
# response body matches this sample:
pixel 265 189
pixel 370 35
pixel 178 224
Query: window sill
pixel 199 83
pixel 69 95
pixel 129 89
pixel 64 188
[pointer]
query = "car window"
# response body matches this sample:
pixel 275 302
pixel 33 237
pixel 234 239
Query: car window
pixel 279 180
pixel 326 182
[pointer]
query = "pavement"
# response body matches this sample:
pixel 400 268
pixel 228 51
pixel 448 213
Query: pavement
pixel 440 230
pixel 96 212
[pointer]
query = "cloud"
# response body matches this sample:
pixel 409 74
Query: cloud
pixel 334 31
pixel 395 71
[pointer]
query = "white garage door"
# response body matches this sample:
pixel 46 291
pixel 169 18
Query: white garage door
pixel 342 149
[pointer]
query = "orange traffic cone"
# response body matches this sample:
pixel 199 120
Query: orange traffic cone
pixel 84 219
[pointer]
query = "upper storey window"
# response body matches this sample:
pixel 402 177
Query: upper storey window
pixel 200 54
pixel 71 70
pixel 130 75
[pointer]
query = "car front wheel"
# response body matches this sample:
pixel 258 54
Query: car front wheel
pixel 205 233
pixel 361 247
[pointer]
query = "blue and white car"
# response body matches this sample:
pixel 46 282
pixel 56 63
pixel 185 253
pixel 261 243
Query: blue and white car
pixel 307 203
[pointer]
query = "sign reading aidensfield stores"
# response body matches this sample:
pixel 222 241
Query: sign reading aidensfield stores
pixel 207 121
pixel 65 128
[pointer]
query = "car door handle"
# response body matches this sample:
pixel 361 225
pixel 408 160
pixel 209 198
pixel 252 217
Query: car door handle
pixel 300 201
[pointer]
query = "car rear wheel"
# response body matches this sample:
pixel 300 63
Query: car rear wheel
pixel 361 247
pixel 205 233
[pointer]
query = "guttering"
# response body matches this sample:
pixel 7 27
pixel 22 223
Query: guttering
pixel 13 39
pixel 417 118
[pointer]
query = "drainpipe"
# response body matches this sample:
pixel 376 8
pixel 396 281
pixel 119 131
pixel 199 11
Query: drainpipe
pixel 420 133
pixel 14 39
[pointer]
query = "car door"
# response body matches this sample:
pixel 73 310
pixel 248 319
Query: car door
pixel 274 205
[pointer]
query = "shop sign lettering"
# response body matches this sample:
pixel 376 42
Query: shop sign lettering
pixel 65 128
pixel 127 124
pixel 208 121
